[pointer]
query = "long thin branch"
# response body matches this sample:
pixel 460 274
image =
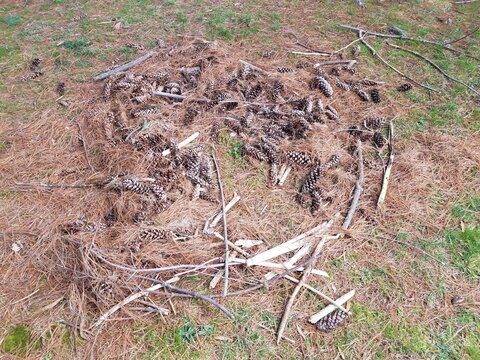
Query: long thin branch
pixel 296 290
pixel 435 66
pixel 224 216
pixel 464 36
pixel 124 67
pixel 84 145
pixel 335 62
pixel 358 187
pixel 392 36
pixel 58 186
pixel 388 169
pixel 394 68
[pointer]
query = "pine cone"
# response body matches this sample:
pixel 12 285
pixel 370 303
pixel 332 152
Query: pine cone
pixel 273 174
pixel 61 88
pixel 405 87
pixel 107 90
pixel 208 197
pixel 320 105
pixel 335 71
pixel 284 70
pixel 312 178
pixel 246 72
pixel 375 95
pixel 331 115
pixel 378 140
pixel 368 82
pixel 253 92
pixel 350 69
pixel 300 199
pixel 271 151
pixel 254 152
pixel 304 65
pixel 215 131
pixel 341 85
pixel 354 131
pixel 334 161
pixel 136 186
pixel 299 158
pixel 234 124
pixel 159 75
pixel 146 111
pixel 108 126
pixel 331 321
pixel 34 64
pixel 155 235
pixel 363 95
pixel 135 46
pixel 277 90
pixel 317 200
pixel 374 122
pixel 323 85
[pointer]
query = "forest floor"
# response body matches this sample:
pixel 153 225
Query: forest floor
pixel 403 308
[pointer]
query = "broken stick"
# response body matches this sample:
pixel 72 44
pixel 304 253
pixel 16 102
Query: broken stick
pixel 358 187
pixel 331 308
pixel 388 169
pixel 124 67
pixel 182 144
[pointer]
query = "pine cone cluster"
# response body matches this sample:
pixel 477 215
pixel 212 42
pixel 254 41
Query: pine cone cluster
pixel 331 321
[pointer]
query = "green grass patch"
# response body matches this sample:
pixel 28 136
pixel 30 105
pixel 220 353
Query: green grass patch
pixel 228 24
pixel 18 341
pixel 78 47
pixel 11 20
pixel 469 210
pixel 465 249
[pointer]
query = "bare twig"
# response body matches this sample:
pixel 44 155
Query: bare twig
pixel 350 63
pixel 168 95
pixel 182 143
pixel 464 36
pixel 464 2
pixel 224 216
pixel 57 186
pixel 358 187
pixel 305 275
pixel 388 169
pixel 348 45
pixel 327 53
pixel 392 67
pixel 84 145
pixel 308 53
pixel 124 67
pixel 236 198
pixel 25 297
pixel 435 66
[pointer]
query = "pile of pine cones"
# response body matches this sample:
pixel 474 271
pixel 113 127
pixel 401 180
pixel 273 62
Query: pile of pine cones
pixel 256 107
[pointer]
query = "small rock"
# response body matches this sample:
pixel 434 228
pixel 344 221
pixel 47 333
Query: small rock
pixel 17 246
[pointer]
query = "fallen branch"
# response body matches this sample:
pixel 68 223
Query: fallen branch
pixel 168 95
pixel 182 144
pixel 224 216
pixel 388 169
pixel 303 279
pixel 124 67
pixel 350 63
pixel 392 67
pixel 435 66
pixel 84 145
pixel 358 187
pixel 58 186
pixel 400 37
pixel 159 284
pixel 331 308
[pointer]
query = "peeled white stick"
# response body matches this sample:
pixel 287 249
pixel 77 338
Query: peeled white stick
pixel 273 265
pixel 284 176
pixel 331 308
pixel 319 293
pixel 292 261
pixel 292 244
pixel 280 173
pixel 218 217
pixel 182 144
